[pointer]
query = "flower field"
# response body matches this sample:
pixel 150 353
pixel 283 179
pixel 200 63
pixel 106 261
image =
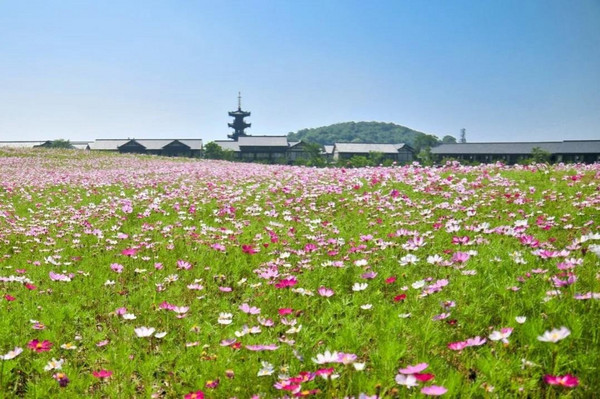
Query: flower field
pixel 135 276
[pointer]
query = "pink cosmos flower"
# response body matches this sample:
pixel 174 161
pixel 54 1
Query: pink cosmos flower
pixel 568 380
pixel 102 374
pixel 218 247
pixel 121 311
pixel 248 309
pixel 116 268
pixel 284 311
pixel 9 298
pixel 460 257
pixel 40 346
pixel 129 251
pixel 286 282
pixel 326 292
pixel 457 346
pixel 195 395
pixel 248 249
pixel 414 369
pixel 433 390
pixel 182 264
pixel 477 341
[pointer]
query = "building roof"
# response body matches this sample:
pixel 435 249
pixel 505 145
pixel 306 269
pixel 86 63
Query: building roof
pixel 107 144
pixel 522 148
pixel 194 144
pixel 148 144
pixel 21 144
pixel 228 145
pixel 263 141
pixel 328 149
pixel 365 148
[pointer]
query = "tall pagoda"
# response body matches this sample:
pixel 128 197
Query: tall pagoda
pixel 238 124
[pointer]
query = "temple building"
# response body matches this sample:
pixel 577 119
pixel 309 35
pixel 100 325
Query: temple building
pixel 238 124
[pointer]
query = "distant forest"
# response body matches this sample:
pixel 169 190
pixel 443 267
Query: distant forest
pixel 369 132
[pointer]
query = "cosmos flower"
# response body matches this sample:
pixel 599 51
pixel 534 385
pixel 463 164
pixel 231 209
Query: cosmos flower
pixel 501 335
pixel 12 354
pixel 325 292
pixel 102 374
pixel 144 332
pixel 408 380
pixel 62 379
pixel 555 335
pixel 327 357
pixel 568 380
pixel 40 346
pixel 433 390
pixel 414 369
pixel 54 364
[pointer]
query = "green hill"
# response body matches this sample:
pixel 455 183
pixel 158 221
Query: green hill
pixel 365 132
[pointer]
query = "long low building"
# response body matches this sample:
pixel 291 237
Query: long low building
pixel 165 147
pixel 586 151
pixel 78 145
pixel 270 149
pixel 279 149
pixel 400 152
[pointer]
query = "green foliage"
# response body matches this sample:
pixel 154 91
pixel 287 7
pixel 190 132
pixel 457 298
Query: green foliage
pixel 447 139
pixel 425 156
pixel 539 155
pixel 60 143
pixel 213 151
pixel 362 132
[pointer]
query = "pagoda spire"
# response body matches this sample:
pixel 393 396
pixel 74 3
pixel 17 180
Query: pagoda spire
pixel 238 124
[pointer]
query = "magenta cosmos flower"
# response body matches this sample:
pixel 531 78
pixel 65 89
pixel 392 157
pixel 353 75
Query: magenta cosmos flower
pixel 195 395
pixel 40 346
pixel 568 380
pixel 102 373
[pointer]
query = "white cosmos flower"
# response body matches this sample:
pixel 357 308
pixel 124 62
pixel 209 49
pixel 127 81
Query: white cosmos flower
pixel 54 364
pixel 359 287
pixel 520 319
pixel 366 306
pixel 144 332
pixel 267 369
pixel 327 357
pixel 160 334
pixel 129 316
pixel 409 259
pixel 407 380
pixel 555 335
pixel 404 315
pixel 418 284
pixel 359 366
pixel 12 354
pixel 109 282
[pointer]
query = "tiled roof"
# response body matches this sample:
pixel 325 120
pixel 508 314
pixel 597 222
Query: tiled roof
pixel 148 144
pixel 194 144
pixel 263 141
pixel 21 144
pixel 553 147
pixel 365 148
pixel 107 144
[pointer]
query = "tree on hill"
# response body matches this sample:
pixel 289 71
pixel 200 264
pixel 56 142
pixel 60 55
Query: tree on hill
pixel 447 139
pixel 362 132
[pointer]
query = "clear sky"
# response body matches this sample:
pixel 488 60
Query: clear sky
pixel 506 70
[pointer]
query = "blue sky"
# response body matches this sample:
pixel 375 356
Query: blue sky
pixel 504 70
